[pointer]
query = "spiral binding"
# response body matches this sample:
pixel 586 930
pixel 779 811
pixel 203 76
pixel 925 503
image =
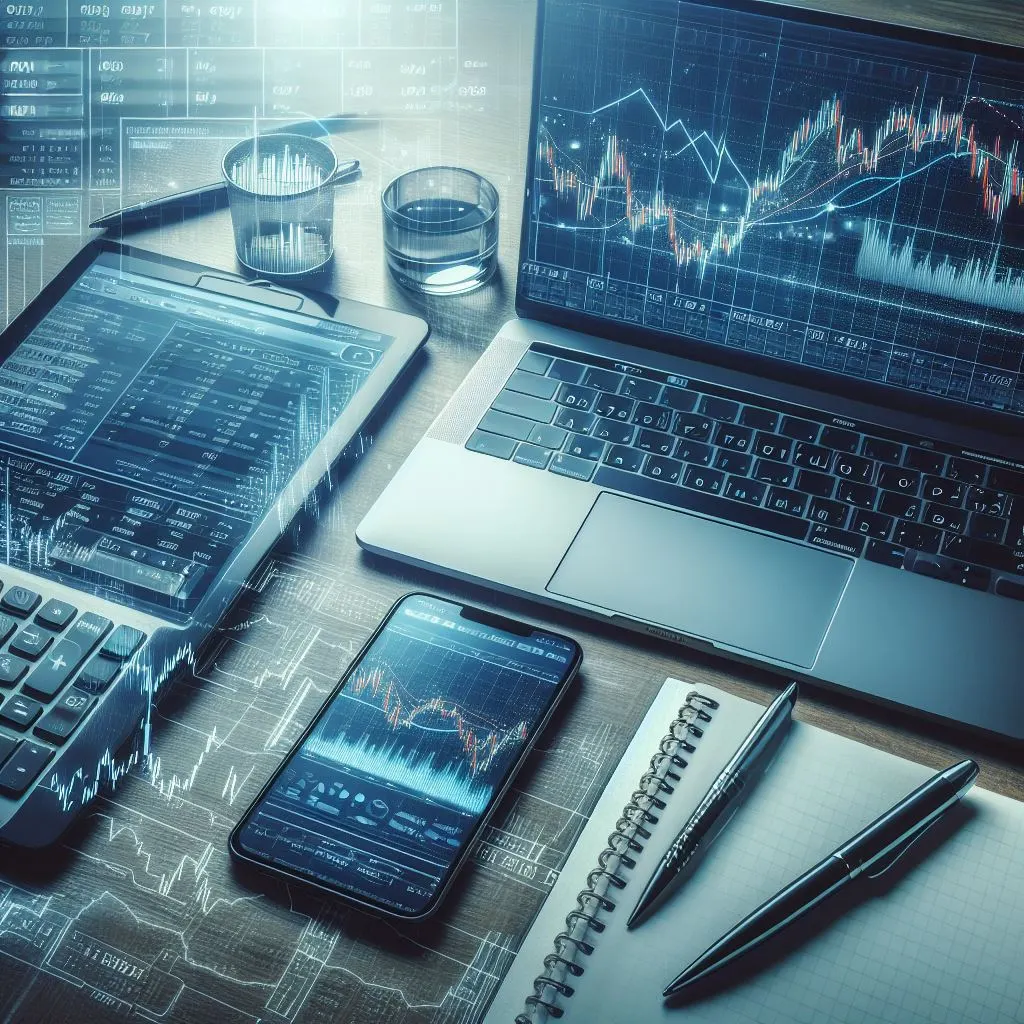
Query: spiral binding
pixel 632 826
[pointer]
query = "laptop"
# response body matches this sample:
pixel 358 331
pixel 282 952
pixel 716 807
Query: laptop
pixel 160 425
pixel 765 394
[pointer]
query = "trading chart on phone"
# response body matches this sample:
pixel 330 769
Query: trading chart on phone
pixel 847 202
pixel 390 784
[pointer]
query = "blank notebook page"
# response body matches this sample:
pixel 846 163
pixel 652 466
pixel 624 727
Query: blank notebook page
pixel 940 938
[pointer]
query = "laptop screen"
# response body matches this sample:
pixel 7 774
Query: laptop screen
pixel 852 203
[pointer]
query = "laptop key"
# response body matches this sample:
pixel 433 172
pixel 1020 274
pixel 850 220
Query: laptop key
pixel 603 380
pixel 31 642
pixel 655 442
pixel 759 419
pixel 861 495
pixel 12 669
pixel 56 614
pixel 24 767
pixel 693 425
pixel 98 674
pixel 833 539
pixel 820 485
pixel 613 432
pixel 577 421
pixel 798 429
pixel 491 444
pixel 535 362
pixel 532 455
pixel 918 537
pixel 839 439
pixel 1006 480
pixel 524 405
pixel 886 554
pixel 733 462
pixel 563 369
pixel 883 451
pixel 812 456
pixel 750 491
pixel 829 513
pixel 576 396
pixel 694 451
pixel 19 711
pixel 621 457
pixel 947 492
pixel 584 447
pixel 569 465
pixel 853 467
pixel 8 624
pixel 8 744
pixel 532 384
pixel 966 470
pixel 895 478
pixel 1010 588
pixel 547 436
pixel 902 506
pixel 505 425
pixel 872 524
pixel 20 600
pixel 774 472
pixel 59 722
pixel 982 527
pixel 719 408
pixel 736 439
pixel 614 407
pixel 953 520
pixel 654 417
pixel 924 461
pixel 772 446
pixel 660 468
pixel 793 503
pixel 691 500
pixel 680 399
pixel 640 389
pixel 700 479
pixel 983 499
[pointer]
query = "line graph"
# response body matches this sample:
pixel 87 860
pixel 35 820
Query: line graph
pixel 726 177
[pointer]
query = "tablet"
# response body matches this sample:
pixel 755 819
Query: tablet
pixel 161 422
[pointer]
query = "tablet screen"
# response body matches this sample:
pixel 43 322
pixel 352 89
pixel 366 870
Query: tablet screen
pixel 146 426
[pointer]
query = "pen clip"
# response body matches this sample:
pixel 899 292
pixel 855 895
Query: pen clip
pixel 893 856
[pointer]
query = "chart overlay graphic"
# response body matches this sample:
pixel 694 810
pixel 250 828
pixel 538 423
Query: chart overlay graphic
pixel 849 202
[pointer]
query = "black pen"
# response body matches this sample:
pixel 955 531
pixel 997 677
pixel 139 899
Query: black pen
pixel 719 803
pixel 205 198
pixel 871 852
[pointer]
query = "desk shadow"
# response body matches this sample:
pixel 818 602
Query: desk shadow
pixel 816 921
pixel 412 940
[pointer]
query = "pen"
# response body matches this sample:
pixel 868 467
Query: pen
pixel 871 852
pixel 719 803
pixel 212 196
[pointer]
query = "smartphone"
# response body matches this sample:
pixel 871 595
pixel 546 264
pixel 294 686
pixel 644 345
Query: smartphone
pixel 380 799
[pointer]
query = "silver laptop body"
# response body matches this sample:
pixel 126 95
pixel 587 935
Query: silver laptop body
pixel 833 590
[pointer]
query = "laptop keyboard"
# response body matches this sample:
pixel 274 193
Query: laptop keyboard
pixel 54 665
pixel 788 470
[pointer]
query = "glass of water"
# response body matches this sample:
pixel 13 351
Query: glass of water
pixel 282 202
pixel 441 229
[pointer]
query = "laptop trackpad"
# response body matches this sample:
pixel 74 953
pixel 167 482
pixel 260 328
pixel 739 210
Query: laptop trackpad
pixel 723 583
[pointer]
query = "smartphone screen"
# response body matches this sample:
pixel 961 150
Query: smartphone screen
pixel 383 794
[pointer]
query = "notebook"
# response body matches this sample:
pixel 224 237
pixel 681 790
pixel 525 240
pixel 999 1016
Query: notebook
pixel 938 939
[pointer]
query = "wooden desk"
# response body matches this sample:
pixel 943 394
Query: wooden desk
pixel 141 908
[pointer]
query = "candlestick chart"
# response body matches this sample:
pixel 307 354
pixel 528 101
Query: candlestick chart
pixel 853 191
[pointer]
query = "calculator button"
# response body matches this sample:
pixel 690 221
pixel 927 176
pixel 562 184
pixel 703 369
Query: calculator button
pixel 89 630
pixel 11 669
pixel 8 625
pixel 20 600
pixel 56 614
pixel 60 721
pixel 7 746
pixel 19 711
pixel 31 642
pixel 98 674
pixel 122 643
pixel 23 768
pixel 54 670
